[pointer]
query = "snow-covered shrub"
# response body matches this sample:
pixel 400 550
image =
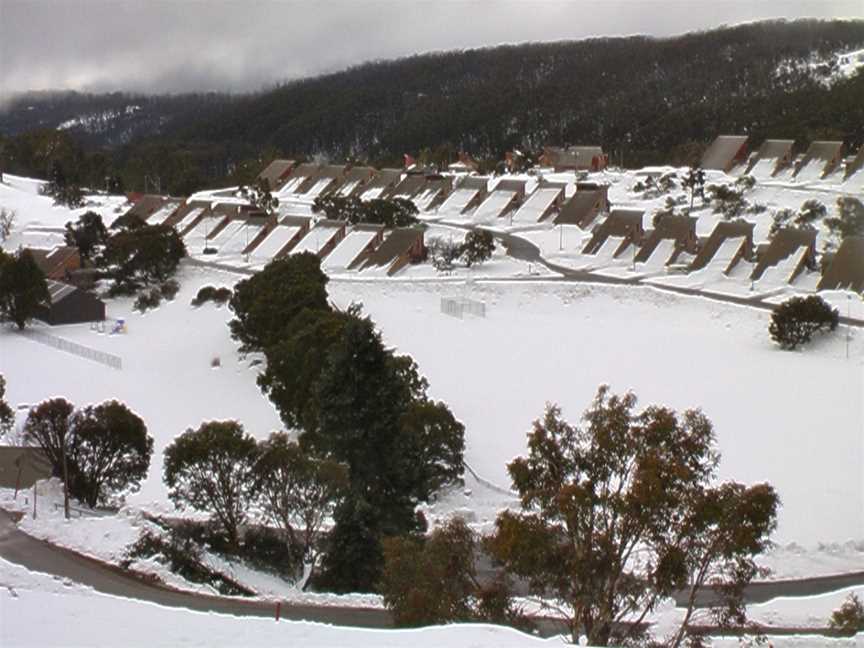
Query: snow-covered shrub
pixel 796 320
pixel 745 183
pixel 443 254
pixel 807 215
pixel 182 556
pixel 727 200
pixel 757 208
pixel 848 619
pixel 218 296
pixel 169 289
pixel 652 187
pixel 148 299
pixel 7 220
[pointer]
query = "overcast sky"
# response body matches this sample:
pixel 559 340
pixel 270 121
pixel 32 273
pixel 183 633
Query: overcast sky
pixel 184 45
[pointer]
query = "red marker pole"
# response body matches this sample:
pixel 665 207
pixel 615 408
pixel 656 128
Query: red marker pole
pixel 278 609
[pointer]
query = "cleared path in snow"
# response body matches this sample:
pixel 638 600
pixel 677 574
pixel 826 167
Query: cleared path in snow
pixel 40 556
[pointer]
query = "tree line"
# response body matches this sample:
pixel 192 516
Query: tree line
pixel 646 100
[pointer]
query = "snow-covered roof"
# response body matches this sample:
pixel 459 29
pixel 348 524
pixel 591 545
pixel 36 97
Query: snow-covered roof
pixel 275 241
pixel 538 205
pixel 349 248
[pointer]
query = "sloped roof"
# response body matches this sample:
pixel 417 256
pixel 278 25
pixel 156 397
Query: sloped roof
pixel 828 153
pixel 409 187
pixel 385 179
pixel 276 172
pixel 772 149
pixel 722 152
pixel 474 182
pixel 304 170
pixel 511 184
pixel 722 231
pixel 580 209
pixel 146 206
pixel 49 260
pixel 620 223
pixel 359 174
pixel 677 228
pixel 846 269
pixel 58 291
pixel 857 163
pixel 783 244
pixel 394 246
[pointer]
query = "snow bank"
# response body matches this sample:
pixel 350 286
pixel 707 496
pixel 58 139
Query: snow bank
pixel 40 611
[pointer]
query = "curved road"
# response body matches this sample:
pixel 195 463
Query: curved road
pixel 40 556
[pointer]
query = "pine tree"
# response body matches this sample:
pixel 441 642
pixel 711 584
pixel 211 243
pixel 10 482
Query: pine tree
pixel 87 234
pixel 23 289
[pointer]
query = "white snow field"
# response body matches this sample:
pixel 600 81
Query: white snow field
pixel 793 419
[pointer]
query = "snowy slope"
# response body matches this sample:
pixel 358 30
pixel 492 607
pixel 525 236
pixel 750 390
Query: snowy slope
pixel 80 616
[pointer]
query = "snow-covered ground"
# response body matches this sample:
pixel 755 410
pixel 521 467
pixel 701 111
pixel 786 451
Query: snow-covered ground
pixel 38 610
pixel 793 419
pixel 538 343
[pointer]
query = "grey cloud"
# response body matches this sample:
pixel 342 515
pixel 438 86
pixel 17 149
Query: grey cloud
pixel 183 45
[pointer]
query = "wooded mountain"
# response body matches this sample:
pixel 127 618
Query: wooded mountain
pixel 645 100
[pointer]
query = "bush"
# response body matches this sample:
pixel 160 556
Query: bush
pixel 478 247
pixel 148 299
pixel 169 289
pixel 745 182
pixel 796 320
pixel 728 200
pixel 218 296
pixel 267 548
pixel 70 196
pixel 848 619
pixel 443 254
pixel 183 557
pixel 7 221
pixel 23 288
pixel 434 580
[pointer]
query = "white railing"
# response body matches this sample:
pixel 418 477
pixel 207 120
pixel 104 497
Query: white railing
pixel 107 359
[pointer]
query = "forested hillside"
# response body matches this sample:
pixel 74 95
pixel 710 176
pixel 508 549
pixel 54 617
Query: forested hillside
pixel 645 100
